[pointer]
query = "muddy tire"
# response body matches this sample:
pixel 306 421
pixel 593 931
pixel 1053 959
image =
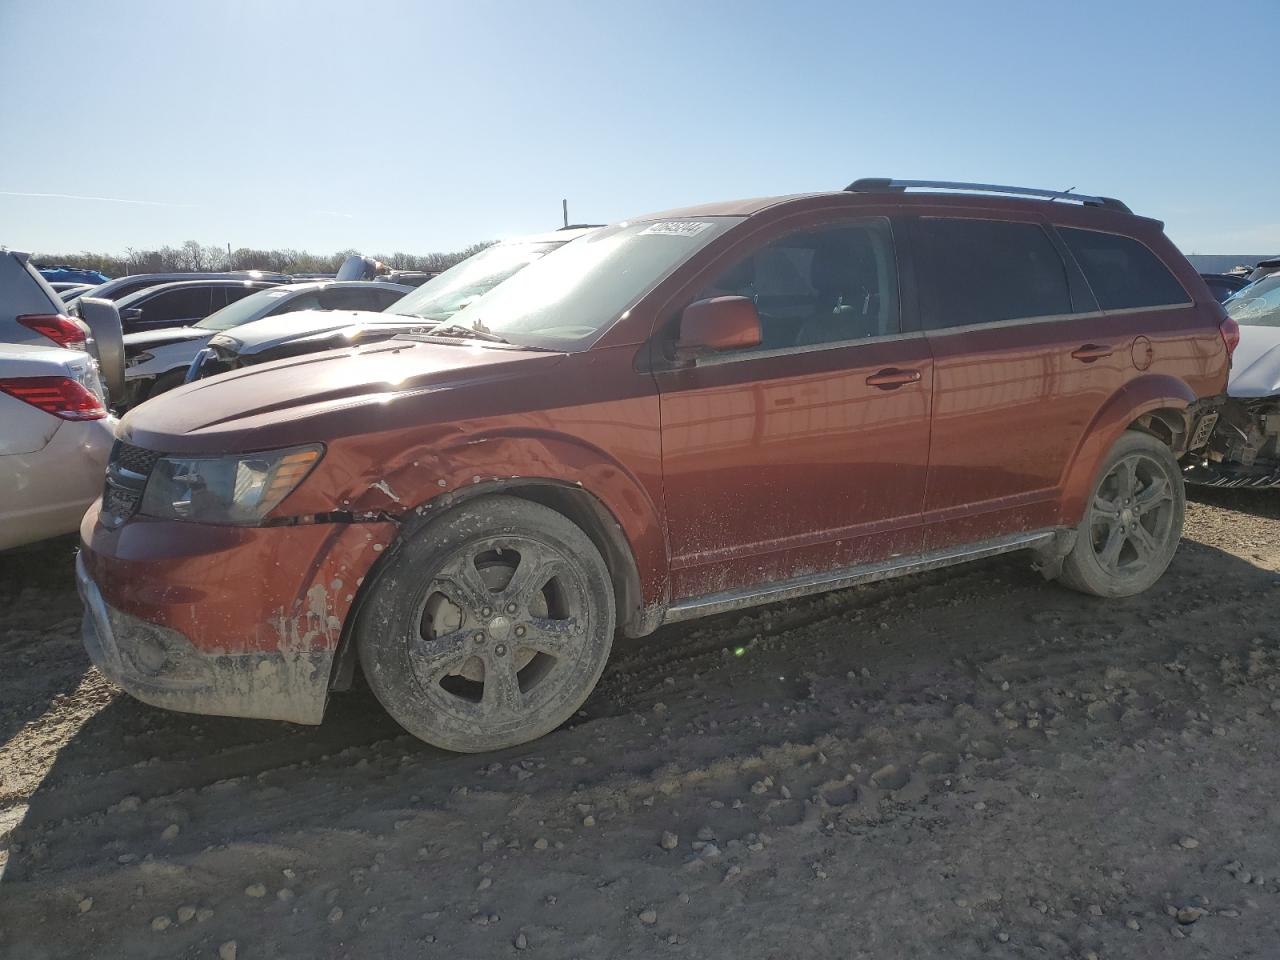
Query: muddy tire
pixel 489 627
pixel 1132 522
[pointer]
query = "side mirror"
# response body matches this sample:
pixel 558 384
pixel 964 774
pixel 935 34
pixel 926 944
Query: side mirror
pixel 131 314
pixel 721 323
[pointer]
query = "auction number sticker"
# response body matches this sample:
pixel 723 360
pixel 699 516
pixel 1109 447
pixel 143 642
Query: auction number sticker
pixel 676 228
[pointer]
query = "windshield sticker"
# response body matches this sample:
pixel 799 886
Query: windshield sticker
pixel 676 228
pixel 277 293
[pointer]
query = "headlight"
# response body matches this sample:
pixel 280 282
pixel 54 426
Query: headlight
pixel 137 358
pixel 238 489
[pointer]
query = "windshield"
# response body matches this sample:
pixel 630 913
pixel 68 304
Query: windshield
pixel 568 299
pixel 443 296
pixel 242 311
pixel 1258 304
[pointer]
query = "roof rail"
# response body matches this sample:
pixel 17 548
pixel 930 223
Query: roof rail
pixel 884 185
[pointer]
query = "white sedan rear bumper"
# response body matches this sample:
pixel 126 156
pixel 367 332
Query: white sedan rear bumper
pixel 47 491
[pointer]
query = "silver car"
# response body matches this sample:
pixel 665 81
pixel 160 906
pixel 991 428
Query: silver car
pixel 1244 449
pixel 55 438
pixel 157 360
pixel 30 310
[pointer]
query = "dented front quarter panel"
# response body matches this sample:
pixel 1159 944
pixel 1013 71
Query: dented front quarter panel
pixel 601 435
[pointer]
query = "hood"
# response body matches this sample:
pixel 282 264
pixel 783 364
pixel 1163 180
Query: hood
pixel 1255 366
pixel 250 338
pixel 320 396
pixel 135 342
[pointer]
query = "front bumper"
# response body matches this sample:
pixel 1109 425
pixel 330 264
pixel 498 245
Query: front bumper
pixel 160 666
pixel 230 621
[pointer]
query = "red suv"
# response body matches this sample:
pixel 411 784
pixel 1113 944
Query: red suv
pixel 683 414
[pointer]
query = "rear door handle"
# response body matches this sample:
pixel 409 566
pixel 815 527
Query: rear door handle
pixel 1091 352
pixel 891 378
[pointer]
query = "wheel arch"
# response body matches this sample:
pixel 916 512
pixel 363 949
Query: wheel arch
pixel 1157 404
pixel 635 617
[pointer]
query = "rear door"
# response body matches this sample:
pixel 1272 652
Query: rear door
pixel 807 453
pixel 1018 375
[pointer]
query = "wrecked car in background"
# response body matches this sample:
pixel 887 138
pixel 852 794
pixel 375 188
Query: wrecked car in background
pixel 431 304
pixel 157 360
pixel 684 414
pixel 1244 450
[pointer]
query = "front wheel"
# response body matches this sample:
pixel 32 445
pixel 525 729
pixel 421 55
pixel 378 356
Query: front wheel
pixel 1132 523
pixel 490 627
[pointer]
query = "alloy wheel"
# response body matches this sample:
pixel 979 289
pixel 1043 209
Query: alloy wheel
pixel 1131 517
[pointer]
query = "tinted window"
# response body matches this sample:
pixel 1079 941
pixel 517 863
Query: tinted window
pixel 242 311
pixel 1122 271
pixel 301 301
pixel 988 271
pixel 826 285
pixel 235 294
pixel 352 298
pixel 133 286
pixel 186 304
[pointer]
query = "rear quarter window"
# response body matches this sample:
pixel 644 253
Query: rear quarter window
pixel 1123 273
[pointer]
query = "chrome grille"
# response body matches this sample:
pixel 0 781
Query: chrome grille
pixel 127 473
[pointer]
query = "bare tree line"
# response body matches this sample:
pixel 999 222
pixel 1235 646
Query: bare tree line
pixel 193 257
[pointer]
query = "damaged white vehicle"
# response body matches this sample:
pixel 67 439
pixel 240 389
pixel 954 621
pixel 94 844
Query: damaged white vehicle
pixel 1244 450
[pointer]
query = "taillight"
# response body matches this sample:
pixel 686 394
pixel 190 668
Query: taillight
pixel 1230 334
pixel 61 396
pixel 61 329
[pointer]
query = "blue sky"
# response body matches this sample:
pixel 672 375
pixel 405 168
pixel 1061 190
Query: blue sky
pixel 421 126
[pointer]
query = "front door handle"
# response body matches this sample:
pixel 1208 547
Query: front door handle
pixel 1091 352
pixel 891 378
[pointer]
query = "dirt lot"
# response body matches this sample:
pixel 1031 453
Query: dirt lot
pixel 965 763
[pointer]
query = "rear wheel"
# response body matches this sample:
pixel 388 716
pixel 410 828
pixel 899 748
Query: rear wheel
pixel 1132 523
pixel 490 627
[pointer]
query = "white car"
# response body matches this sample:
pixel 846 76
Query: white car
pixel 55 438
pixel 157 360
pixel 1244 450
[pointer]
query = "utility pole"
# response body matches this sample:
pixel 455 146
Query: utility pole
pixel 564 206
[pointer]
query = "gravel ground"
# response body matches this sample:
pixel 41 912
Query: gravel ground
pixel 964 763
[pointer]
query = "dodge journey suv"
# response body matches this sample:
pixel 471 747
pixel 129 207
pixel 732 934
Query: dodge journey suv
pixel 680 415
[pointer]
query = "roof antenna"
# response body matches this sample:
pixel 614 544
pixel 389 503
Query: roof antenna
pixel 1060 193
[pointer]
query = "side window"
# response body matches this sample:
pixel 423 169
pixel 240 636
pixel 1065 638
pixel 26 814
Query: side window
pixel 350 298
pixel 1123 272
pixel 303 301
pixel 233 294
pixel 824 285
pixel 186 304
pixel 386 298
pixel 133 286
pixel 990 271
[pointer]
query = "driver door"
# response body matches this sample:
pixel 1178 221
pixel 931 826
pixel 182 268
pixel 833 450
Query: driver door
pixel 808 452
